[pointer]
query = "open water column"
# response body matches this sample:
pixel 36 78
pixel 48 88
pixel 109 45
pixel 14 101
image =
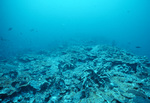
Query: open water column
pixel 74 51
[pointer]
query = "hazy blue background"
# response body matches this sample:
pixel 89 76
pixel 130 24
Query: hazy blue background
pixel 43 24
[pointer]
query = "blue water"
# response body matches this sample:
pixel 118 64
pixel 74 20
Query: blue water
pixel 28 25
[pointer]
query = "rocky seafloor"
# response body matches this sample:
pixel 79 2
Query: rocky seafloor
pixel 76 74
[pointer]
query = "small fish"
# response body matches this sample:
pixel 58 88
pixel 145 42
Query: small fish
pixel 31 30
pixel 9 29
pixel 2 39
pixel 128 11
pixel 21 33
pixel 129 43
pixel 137 47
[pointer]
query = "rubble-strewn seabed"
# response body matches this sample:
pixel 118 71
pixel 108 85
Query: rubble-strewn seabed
pixel 76 74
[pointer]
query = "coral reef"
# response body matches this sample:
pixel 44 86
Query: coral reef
pixel 76 74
